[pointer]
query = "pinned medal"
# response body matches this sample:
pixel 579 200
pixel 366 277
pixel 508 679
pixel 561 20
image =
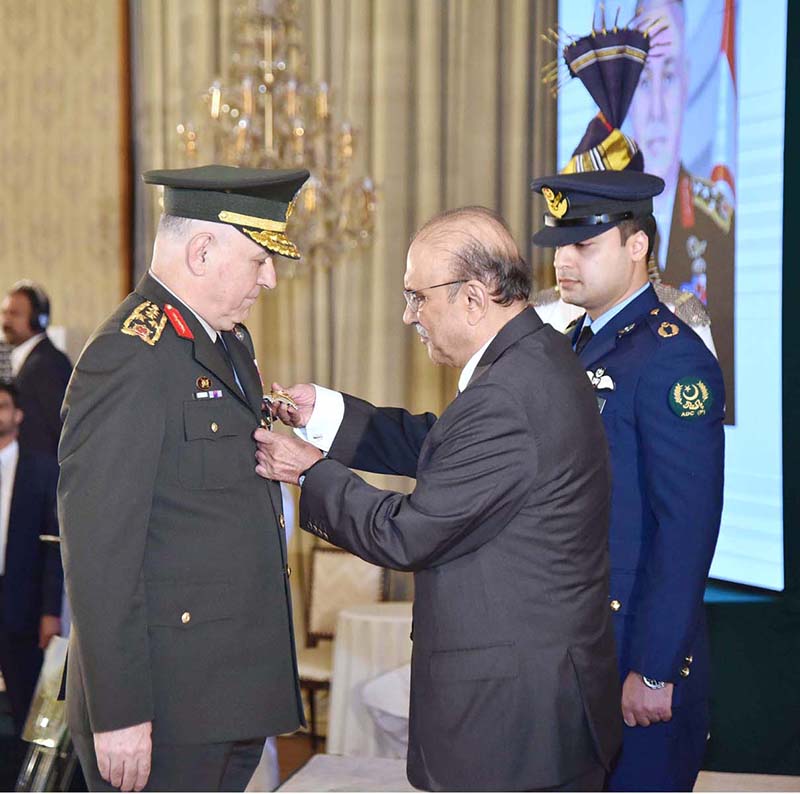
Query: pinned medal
pixel 269 402
pixel 626 330
pixel 280 397
pixel 668 329
pixel 600 380
pixel 203 383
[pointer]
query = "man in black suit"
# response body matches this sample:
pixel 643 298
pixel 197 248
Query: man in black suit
pixel 41 371
pixel 514 683
pixel 31 579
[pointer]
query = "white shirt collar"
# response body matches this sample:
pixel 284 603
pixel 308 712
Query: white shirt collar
pixel 469 367
pixel 20 353
pixel 9 454
pixel 212 334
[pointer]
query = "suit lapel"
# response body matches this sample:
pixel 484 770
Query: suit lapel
pixel 212 357
pixel 206 353
pixel 606 339
pixel 21 507
pixel 246 370
pixel 526 322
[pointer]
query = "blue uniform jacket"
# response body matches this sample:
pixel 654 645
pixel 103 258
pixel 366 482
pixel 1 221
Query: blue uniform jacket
pixel 662 402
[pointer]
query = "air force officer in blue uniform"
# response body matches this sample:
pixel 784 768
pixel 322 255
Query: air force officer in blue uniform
pixel 661 397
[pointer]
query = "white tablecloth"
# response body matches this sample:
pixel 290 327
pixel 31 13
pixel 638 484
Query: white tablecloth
pixel 335 773
pixel 370 640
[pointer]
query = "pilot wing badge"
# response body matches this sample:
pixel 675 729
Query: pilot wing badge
pixel 600 380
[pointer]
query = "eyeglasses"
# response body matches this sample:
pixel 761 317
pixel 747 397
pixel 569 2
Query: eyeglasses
pixel 415 299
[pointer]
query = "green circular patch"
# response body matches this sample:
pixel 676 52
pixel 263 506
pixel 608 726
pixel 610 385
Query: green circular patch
pixel 690 398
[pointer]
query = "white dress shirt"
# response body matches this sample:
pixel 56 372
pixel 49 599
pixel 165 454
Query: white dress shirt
pixel 8 470
pixel 20 353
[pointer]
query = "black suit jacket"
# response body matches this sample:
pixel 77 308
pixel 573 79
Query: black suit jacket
pixel 33 579
pixel 174 549
pixel 513 676
pixel 42 381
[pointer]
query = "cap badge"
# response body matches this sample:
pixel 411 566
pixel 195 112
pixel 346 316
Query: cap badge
pixel 690 398
pixel 556 203
pixel 668 329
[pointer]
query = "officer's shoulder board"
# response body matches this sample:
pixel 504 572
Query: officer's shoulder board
pixel 707 197
pixel 148 320
pixel 544 297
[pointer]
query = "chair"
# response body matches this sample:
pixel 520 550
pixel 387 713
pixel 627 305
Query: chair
pixel 337 580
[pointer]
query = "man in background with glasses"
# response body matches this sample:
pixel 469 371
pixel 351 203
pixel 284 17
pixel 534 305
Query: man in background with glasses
pixel 513 673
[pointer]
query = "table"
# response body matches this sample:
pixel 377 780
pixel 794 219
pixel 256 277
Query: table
pixel 370 640
pixel 339 773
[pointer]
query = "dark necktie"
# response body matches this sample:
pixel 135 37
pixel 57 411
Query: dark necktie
pixel 223 348
pixel 583 340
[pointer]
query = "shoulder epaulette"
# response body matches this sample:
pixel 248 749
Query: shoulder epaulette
pixel 146 321
pixel 660 321
pixel 544 297
pixel 688 307
pixel 709 198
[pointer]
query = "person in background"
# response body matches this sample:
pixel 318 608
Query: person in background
pixel 31 578
pixel 40 370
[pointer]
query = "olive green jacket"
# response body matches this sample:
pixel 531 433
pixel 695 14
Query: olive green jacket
pixel 174 550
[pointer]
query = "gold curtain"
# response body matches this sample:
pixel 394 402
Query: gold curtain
pixel 64 132
pixel 450 111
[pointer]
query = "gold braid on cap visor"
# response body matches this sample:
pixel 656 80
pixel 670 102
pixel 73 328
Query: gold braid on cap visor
pixel 272 234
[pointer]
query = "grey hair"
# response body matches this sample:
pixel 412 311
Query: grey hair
pixel 481 248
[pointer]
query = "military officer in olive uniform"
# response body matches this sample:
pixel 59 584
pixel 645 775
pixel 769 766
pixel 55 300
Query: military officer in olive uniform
pixel 662 400
pixel 181 657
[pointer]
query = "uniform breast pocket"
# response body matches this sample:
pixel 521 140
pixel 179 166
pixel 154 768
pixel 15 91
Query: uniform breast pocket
pixel 217 449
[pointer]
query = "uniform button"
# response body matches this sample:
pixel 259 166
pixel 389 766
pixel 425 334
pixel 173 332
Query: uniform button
pixel 214 427
pixel 288 571
pixel 615 605
pixel 186 617
pixel 684 672
pixel 689 659
pixel 282 521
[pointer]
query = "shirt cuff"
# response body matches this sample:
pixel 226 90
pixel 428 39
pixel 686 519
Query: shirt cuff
pixel 326 419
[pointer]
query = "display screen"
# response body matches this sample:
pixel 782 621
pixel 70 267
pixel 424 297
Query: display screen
pixel 708 115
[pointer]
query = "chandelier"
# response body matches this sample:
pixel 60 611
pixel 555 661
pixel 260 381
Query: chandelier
pixel 268 114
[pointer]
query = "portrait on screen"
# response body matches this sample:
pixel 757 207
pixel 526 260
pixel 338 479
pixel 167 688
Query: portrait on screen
pixel 684 118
